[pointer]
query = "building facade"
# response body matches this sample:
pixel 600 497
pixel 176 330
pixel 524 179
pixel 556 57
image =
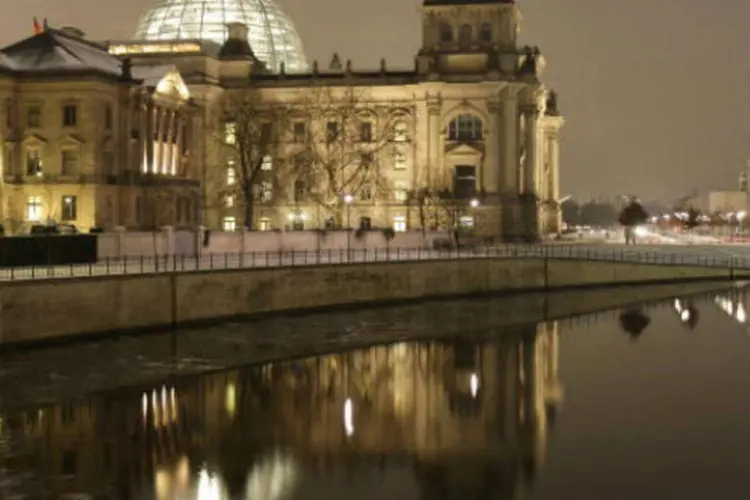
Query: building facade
pixel 469 132
pixel 89 140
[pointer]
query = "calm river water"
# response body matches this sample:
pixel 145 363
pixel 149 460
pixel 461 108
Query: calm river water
pixel 649 401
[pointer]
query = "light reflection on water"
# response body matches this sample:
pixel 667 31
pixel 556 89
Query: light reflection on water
pixel 518 413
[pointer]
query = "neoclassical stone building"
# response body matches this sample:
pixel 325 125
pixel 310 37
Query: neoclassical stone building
pixel 91 141
pixel 471 118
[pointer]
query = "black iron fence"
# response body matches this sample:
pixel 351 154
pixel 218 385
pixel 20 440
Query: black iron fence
pixel 668 255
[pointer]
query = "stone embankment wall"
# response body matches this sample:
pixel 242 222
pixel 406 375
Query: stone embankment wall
pixel 37 310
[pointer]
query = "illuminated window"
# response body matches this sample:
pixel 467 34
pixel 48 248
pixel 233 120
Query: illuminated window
pixel 229 223
pixel 34 208
pixel 399 191
pixel 266 191
pixel 399 160
pixel 231 175
pixel 69 209
pixel 264 224
pixel 230 133
pixel 229 201
pixel 400 131
pixel 399 223
pixel 267 163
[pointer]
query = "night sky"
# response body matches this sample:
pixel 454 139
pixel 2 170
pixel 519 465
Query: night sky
pixel 656 93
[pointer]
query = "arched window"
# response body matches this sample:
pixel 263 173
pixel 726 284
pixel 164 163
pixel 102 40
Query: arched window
pixel 446 33
pixel 400 131
pixel 464 36
pixel 485 32
pixel 465 128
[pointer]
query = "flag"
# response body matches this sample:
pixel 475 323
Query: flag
pixel 37 28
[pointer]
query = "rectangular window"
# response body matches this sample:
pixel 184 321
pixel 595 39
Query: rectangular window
pixel 366 160
pixel 69 210
pixel 229 201
pixel 400 132
pixel 464 182
pixel 70 115
pixel 34 116
pixel 34 164
pixel 266 191
pixel 332 131
pixel 229 223
pixel 399 224
pixel 399 160
pixel 264 224
pixel 69 162
pixel 266 163
pixel 266 133
pixel 366 193
pixel 299 132
pixel 108 117
pixel 399 191
pixel 9 113
pixel 230 133
pixel 231 175
pixel 34 208
pixel 365 132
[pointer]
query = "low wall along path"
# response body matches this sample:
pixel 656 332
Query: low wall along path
pixel 34 310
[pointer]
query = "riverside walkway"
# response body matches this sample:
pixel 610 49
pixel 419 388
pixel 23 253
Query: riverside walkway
pixel 718 256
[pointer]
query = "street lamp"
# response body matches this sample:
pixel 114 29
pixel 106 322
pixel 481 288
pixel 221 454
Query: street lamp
pixel 474 203
pixel 348 199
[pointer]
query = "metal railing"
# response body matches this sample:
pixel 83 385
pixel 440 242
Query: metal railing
pixel 666 255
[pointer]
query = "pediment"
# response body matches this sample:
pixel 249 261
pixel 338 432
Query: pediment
pixel 34 140
pixel 172 85
pixel 72 139
pixel 464 149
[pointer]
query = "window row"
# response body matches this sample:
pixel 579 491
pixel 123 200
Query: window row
pixel 68 209
pixel 298 222
pixel 34 162
pixel 466 33
pixel 264 133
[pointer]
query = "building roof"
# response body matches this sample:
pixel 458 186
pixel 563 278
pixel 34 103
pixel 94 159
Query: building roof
pixel 5 62
pixel 150 76
pixel 58 52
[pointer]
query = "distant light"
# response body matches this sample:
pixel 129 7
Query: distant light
pixel 348 198
pixel 474 203
pixel 640 231
pixel 474 385
pixel 231 399
pixel 349 417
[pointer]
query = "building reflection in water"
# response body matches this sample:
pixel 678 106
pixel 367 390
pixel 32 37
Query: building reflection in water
pixel 466 416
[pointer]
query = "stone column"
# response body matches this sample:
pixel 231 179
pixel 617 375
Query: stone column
pixel 433 141
pixel 510 142
pixel 177 148
pixel 554 162
pixel 168 140
pixel 531 167
pixel 160 130
pixel 493 164
pixel 148 136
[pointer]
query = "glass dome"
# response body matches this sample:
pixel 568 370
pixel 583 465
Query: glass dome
pixel 271 32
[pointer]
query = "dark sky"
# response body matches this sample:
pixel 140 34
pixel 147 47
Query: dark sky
pixel 656 93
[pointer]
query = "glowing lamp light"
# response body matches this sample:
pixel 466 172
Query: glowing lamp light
pixel 474 385
pixel 348 199
pixel 349 417
pixel 474 203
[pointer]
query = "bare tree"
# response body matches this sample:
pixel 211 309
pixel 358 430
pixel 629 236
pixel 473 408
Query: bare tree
pixel 248 131
pixel 342 144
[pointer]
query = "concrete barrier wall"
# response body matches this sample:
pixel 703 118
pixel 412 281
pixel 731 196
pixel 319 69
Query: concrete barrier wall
pixel 36 310
pixel 184 242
